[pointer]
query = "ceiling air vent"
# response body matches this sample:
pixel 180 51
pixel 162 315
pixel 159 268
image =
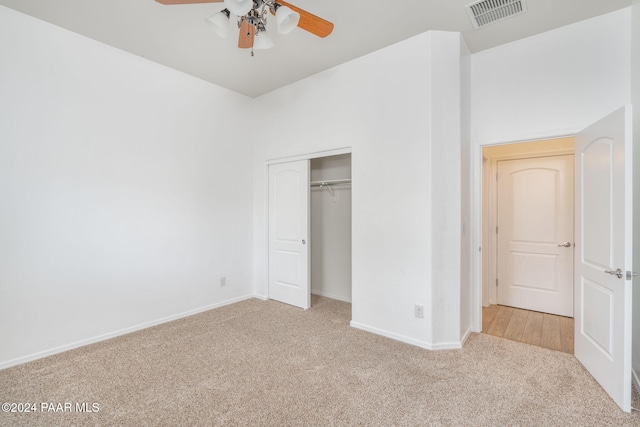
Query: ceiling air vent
pixel 486 12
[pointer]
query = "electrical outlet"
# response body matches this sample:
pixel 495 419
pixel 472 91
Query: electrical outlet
pixel 223 281
pixel 419 311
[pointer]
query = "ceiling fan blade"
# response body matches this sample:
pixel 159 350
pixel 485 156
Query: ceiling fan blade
pixel 246 35
pixel 168 2
pixel 310 22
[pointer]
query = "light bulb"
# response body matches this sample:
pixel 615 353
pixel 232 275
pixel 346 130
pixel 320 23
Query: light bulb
pixel 220 23
pixel 262 40
pixel 286 19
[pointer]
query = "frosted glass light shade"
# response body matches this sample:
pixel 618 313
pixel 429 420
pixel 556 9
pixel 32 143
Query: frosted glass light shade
pixel 220 23
pixel 262 41
pixel 239 7
pixel 286 19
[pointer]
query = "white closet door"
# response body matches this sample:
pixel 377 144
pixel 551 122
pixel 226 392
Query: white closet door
pixel 289 233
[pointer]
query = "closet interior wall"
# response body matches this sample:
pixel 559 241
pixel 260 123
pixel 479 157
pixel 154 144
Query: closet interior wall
pixel 331 229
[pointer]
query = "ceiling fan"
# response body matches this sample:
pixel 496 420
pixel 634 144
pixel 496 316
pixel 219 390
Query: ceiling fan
pixel 252 20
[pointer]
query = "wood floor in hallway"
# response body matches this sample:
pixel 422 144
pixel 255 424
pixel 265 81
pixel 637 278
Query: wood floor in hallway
pixel 531 327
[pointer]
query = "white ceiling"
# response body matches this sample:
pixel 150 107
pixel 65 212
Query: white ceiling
pixel 176 36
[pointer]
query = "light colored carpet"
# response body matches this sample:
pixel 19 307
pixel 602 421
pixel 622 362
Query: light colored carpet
pixel 265 363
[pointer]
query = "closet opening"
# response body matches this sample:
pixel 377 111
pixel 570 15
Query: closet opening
pixel 330 212
pixel 309 228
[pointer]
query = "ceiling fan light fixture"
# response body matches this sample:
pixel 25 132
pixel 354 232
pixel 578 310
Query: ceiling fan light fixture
pixel 286 19
pixel 252 20
pixel 239 7
pixel 220 23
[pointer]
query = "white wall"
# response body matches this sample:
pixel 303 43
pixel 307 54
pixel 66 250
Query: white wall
pixel 380 105
pixel 331 229
pixel 552 84
pixel 125 190
pixel 635 94
pixel 466 245
pixel 449 189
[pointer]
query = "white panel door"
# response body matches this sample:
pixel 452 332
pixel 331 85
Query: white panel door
pixel 603 245
pixel 535 234
pixel 289 233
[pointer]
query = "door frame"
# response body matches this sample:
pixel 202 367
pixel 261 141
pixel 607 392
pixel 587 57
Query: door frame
pixel 492 165
pixel 477 217
pixel 306 156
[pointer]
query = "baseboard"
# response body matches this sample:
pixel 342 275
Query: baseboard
pixel 330 295
pixel 103 337
pixel 465 337
pixel 452 345
pixel 407 340
pixel 319 293
pixel 635 375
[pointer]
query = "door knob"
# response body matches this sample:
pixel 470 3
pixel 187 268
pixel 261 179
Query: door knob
pixel 617 273
pixel 565 245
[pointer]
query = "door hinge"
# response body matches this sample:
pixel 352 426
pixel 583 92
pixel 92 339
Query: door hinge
pixel 631 274
pixel 496 282
pixel 496 229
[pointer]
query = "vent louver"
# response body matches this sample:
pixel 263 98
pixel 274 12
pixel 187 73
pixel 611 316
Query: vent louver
pixel 486 12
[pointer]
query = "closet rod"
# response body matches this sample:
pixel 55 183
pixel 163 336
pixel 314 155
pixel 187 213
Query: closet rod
pixel 331 182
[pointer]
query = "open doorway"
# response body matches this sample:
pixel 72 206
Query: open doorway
pixel 527 263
